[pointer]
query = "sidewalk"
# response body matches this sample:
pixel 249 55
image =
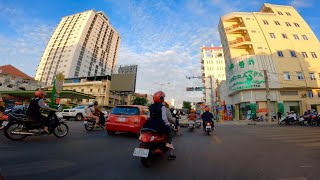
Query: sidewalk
pixel 247 122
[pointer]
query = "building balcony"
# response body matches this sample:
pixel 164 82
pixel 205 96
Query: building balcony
pixel 202 61
pixel 203 75
pixel 240 42
pixel 236 29
pixel 202 67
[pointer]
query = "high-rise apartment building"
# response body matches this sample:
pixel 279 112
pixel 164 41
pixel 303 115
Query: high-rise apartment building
pixel 83 44
pixel 278 41
pixel 212 64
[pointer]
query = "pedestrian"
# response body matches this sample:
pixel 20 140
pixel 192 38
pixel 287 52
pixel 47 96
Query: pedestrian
pixel 279 115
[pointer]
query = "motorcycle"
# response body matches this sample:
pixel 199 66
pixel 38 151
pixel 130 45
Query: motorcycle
pixel 89 123
pixel 208 128
pixel 314 120
pixel 288 121
pixel 198 124
pixel 19 126
pixel 191 125
pixel 151 144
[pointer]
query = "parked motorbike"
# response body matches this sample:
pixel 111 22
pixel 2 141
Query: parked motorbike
pixel 19 126
pixel 314 120
pixel 208 128
pixel 89 123
pixel 151 144
pixel 191 126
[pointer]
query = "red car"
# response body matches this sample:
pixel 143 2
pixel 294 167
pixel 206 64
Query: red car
pixel 127 118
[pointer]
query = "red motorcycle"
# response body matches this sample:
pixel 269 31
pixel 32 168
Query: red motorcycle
pixel 152 144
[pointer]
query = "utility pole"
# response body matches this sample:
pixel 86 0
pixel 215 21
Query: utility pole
pixel 267 95
pixel 211 94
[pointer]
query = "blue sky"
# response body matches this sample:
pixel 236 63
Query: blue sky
pixel 162 36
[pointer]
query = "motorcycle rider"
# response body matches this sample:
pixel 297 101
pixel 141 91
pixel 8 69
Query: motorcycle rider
pixel 90 112
pixel 98 113
pixel 192 116
pixel 33 110
pixel 207 117
pixel 157 118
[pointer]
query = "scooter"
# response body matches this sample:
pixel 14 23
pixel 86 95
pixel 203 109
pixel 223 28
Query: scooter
pixel 208 128
pixel 152 144
pixel 191 125
pixel 19 126
pixel 89 123
pixel 198 123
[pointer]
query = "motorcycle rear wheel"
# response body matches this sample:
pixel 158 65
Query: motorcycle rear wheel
pixel 89 126
pixel 12 127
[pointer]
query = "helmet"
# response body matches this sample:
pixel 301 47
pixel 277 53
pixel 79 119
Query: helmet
pixel 206 108
pixel 193 111
pixel 95 103
pixel 90 104
pixel 158 97
pixel 40 94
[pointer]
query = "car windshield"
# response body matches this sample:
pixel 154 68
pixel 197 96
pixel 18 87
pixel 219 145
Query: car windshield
pixel 125 111
pixel 79 107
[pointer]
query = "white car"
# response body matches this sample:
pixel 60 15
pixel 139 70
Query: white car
pixel 77 113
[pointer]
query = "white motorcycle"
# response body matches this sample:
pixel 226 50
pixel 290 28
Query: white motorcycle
pixel 191 125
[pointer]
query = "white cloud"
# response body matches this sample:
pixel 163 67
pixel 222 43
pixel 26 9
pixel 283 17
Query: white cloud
pixel 301 3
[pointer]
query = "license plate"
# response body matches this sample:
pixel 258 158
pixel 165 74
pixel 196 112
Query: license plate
pixel 4 123
pixel 141 152
pixel 85 122
pixel 208 127
pixel 121 119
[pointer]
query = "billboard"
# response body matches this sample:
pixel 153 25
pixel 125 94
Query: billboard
pixel 123 82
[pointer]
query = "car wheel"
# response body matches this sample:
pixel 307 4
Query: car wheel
pixel 79 117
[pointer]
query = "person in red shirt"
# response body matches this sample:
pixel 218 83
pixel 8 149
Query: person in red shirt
pixel 192 116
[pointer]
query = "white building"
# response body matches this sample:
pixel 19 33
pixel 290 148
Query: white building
pixel 83 44
pixel 212 64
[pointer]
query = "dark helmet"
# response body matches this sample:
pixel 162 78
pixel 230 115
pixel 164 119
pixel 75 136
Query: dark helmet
pixel 95 103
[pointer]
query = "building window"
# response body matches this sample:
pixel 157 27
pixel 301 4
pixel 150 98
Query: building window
pixel 280 54
pixel 310 94
pixel 296 37
pixel 277 22
pixel 312 76
pixel 286 75
pixel 304 54
pixel 318 93
pixel 304 37
pixel 296 24
pixel 272 35
pixel 313 54
pixel 280 13
pixel 284 36
pixel 265 22
pixel 288 13
pixel 300 75
pixel 90 90
pixel 293 54
pixel 288 24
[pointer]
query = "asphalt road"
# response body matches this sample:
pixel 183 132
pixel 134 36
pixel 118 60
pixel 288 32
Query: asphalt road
pixel 234 151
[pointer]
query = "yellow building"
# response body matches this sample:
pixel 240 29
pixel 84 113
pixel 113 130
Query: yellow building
pixel 276 40
pixel 97 86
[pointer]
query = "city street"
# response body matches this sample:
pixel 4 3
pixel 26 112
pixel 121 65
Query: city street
pixel 234 151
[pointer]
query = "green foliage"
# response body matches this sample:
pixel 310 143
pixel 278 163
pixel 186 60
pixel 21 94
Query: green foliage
pixel 140 101
pixel 187 105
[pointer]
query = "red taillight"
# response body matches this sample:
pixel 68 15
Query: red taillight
pixel 5 117
pixel 145 137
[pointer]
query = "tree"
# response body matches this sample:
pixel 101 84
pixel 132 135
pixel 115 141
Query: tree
pixel 140 101
pixel 187 105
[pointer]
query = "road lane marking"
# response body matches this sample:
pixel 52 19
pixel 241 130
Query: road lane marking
pixel 218 140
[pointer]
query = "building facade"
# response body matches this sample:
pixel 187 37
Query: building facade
pixel 212 64
pixel 12 79
pixel 277 42
pixel 83 44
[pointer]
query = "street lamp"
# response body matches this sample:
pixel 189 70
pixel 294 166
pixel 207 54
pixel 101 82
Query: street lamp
pixel 162 84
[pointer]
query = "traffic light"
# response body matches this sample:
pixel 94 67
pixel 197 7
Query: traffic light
pixel 190 88
pixel 198 88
